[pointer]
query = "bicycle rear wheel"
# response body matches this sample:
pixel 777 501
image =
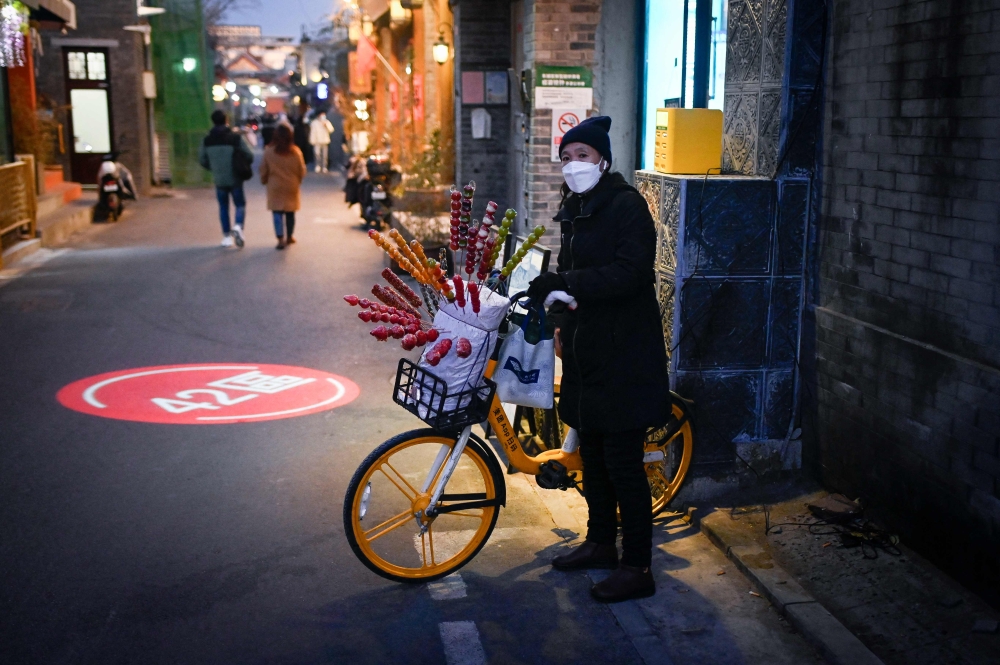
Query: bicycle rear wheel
pixel 676 440
pixel 387 499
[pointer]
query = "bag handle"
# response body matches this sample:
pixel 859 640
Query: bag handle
pixel 540 313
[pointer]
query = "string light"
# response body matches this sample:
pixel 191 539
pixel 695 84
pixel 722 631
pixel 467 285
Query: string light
pixel 11 37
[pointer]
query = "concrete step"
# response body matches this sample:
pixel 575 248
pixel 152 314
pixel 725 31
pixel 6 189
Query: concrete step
pixel 19 251
pixel 57 226
pixel 49 202
pixel 52 177
pixel 70 191
pixel 57 196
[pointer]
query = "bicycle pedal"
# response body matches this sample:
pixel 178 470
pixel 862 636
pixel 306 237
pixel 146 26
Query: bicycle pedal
pixel 553 475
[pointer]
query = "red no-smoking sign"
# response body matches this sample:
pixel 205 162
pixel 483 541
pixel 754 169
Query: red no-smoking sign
pixel 212 394
pixel 567 121
pixel 564 120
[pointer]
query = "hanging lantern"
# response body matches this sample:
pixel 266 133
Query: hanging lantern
pixel 12 22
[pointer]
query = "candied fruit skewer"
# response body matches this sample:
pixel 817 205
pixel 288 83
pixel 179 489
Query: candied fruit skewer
pixel 400 286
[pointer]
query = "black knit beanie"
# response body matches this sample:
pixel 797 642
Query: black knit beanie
pixel 593 132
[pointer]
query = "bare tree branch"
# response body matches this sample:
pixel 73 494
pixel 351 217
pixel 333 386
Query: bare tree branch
pixel 216 10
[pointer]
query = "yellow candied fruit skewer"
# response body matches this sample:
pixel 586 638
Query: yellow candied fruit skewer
pixel 395 255
pixel 405 249
pixel 418 249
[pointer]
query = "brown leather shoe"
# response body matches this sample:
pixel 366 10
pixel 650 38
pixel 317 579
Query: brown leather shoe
pixel 587 556
pixel 625 583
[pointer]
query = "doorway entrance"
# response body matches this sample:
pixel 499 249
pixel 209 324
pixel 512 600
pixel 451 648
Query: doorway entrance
pixel 88 93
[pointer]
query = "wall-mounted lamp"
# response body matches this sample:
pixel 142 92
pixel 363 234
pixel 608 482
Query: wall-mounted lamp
pixel 441 50
pixel 189 64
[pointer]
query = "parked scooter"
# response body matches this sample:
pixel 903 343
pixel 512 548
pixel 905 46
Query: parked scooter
pixel 376 201
pixel 114 186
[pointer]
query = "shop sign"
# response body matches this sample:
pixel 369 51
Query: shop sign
pixel 563 87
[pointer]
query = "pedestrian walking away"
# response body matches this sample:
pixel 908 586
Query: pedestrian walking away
pixel 226 154
pixel 319 137
pixel 354 173
pixel 282 171
pixel 614 383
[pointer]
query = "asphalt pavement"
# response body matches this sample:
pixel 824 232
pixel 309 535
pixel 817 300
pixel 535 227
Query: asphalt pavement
pixel 148 542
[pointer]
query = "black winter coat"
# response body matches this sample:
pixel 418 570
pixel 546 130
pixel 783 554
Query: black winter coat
pixel 614 355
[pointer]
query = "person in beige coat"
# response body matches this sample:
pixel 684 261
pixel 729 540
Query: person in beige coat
pixel 282 170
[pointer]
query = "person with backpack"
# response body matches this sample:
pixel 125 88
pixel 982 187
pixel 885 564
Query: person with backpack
pixel 226 154
pixel 282 171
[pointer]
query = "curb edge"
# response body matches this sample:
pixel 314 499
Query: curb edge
pixel 835 643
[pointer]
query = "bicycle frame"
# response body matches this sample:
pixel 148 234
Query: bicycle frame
pixel 568 455
pixel 449 458
pixel 520 460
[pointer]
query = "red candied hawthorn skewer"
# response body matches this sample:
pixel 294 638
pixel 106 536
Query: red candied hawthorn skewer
pixel 463 349
pixel 439 351
pixel 474 296
pixel 401 287
pixel 459 291
pixel 393 299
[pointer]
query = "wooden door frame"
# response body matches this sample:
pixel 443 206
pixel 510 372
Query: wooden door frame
pixel 87 84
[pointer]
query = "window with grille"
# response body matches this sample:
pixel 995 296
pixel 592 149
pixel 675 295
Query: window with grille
pixel 77 63
pixel 96 71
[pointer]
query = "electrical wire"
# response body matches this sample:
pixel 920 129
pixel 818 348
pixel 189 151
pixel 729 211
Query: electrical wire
pixel 690 325
pixel 855 532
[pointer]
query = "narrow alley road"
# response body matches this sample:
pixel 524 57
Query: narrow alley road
pixel 128 541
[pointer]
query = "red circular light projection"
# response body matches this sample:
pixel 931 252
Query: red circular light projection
pixel 208 394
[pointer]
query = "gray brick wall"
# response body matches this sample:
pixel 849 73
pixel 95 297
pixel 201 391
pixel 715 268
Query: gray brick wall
pixel 908 302
pixel 485 46
pixel 103 19
pixel 557 32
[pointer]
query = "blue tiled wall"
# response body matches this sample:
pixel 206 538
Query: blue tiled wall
pixel 729 270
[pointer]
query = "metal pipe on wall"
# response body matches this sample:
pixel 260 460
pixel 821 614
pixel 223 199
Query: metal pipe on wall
pixel 702 52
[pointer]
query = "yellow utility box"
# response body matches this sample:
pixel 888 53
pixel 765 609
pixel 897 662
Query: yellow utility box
pixel 688 141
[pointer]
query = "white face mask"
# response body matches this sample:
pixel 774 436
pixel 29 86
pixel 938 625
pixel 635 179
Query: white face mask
pixel 582 176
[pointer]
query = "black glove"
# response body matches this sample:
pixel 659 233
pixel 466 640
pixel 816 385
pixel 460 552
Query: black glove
pixel 543 285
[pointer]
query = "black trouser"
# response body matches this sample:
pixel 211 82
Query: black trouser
pixel 281 225
pixel 614 476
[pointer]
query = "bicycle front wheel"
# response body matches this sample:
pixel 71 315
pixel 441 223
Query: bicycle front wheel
pixel 387 505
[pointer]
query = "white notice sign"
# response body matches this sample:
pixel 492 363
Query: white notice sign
pixel 564 120
pixel 563 98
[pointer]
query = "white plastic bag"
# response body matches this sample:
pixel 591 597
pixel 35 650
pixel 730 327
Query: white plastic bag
pixel 525 372
pixel 454 322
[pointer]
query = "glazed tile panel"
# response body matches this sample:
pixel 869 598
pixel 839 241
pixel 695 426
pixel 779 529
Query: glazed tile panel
pixel 729 282
pixel 755 64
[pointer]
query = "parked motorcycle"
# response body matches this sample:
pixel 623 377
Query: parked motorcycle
pixel 114 186
pixel 376 200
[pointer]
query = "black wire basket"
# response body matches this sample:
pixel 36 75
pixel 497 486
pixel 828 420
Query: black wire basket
pixel 427 397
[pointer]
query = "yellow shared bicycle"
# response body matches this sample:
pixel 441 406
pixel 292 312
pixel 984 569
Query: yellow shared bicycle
pixel 424 503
